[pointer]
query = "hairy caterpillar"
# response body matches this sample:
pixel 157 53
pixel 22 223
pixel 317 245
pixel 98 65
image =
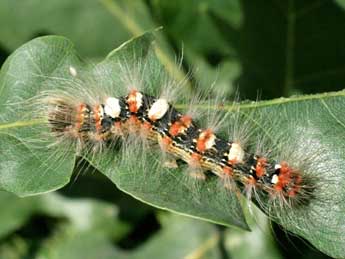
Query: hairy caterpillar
pixel 96 124
pixel 132 125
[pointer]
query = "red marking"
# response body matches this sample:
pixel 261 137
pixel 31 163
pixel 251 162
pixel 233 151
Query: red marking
pixel 179 126
pixel 175 128
pixel 232 161
pixel 292 193
pixel 79 116
pixel 203 138
pixel 251 181
pixel 186 120
pixel 227 170
pixel 133 119
pixel 278 187
pixel 285 174
pixel 132 101
pixel 146 128
pixel 146 125
pixel 98 122
pixel 195 159
pixel 288 178
pixel 165 143
pixel 260 167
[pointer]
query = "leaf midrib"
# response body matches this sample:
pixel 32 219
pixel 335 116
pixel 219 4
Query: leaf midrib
pixel 228 107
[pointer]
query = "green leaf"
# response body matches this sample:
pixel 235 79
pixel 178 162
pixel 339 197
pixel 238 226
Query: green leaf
pixel 17 212
pixel 90 231
pixel 86 227
pixel 304 130
pixel 260 239
pixel 203 240
pixel 196 36
pixel 199 240
pixel 83 245
pixel 25 165
pixel 73 19
pixel 214 62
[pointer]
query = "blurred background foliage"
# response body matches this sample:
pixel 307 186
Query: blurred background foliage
pixel 261 49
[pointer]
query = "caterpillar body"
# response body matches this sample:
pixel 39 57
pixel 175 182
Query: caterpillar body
pixel 178 136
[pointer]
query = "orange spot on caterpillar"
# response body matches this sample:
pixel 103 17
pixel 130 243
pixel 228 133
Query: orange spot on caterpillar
pixel 166 141
pixel 80 116
pixel 180 126
pixel 132 101
pixel 133 119
pixel 147 126
pixel 260 167
pixel 186 120
pixel 278 187
pixel 292 193
pixel 97 117
pixel 285 172
pixel 228 171
pixel 233 161
pixel 251 181
pixel 175 128
pixel 195 160
pixel 205 140
pixel 288 179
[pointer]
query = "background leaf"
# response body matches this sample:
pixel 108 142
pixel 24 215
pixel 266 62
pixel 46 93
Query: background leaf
pixel 77 222
pixel 74 19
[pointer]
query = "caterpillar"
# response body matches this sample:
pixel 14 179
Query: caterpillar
pixel 178 136
pixel 137 121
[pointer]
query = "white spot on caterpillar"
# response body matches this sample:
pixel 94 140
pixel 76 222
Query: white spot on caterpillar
pixel 139 99
pixel 112 107
pixel 210 141
pixel 275 179
pixel 158 109
pixel 73 71
pixel 236 153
